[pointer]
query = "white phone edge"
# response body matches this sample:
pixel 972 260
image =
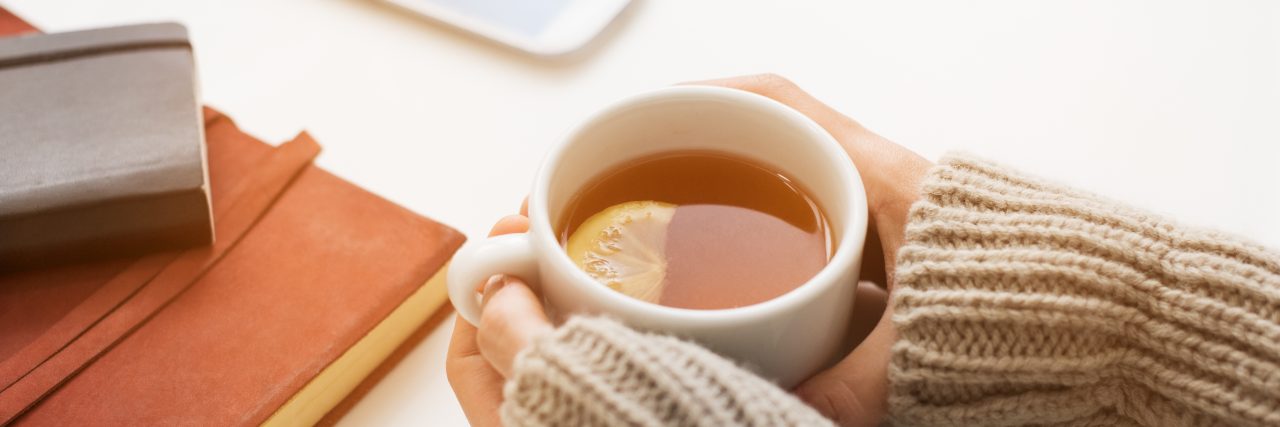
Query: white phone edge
pixel 569 31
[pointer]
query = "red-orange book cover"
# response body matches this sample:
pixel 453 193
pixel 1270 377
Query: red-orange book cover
pixel 310 283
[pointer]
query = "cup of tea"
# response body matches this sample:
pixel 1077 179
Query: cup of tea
pixel 712 214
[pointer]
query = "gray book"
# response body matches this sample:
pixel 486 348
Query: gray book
pixel 101 146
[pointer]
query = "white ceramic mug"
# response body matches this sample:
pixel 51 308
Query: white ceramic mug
pixel 787 338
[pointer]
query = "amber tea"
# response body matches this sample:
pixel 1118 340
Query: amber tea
pixel 696 230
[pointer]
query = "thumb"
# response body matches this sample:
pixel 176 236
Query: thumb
pixel 855 392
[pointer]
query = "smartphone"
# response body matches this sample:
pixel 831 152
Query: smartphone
pixel 540 27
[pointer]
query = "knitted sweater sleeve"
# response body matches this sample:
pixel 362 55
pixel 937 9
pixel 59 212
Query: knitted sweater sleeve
pixel 1022 302
pixel 595 372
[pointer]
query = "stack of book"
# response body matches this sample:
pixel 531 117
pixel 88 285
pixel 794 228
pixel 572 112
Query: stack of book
pixel 163 267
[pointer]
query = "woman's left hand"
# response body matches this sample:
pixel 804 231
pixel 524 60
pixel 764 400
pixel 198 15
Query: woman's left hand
pixel 480 359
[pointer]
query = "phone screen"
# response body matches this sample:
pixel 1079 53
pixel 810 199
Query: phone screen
pixel 528 17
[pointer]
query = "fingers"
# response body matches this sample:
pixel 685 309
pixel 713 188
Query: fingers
pixel 477 385
pixel 855 391
pixel 511 320
pixel 512 315
pixel 510 224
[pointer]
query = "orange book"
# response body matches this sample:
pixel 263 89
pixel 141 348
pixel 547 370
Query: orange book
pixel 310 284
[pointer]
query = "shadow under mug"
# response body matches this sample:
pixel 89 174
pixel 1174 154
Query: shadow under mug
pixel 785 339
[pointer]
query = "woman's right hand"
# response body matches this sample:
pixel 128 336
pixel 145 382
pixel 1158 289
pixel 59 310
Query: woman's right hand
pixel 854 392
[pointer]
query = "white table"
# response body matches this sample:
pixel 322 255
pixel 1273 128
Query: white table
pixel 1173 106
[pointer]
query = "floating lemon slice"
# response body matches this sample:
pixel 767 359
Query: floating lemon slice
pixel 623 247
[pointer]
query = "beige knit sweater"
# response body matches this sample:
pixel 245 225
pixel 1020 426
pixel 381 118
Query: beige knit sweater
pixel 1018 302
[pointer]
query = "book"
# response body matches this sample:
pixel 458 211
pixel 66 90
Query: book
pixel 309 285
pixel 103 153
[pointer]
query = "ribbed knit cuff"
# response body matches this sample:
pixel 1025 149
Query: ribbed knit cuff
pixel 1023 302
pixel 596 372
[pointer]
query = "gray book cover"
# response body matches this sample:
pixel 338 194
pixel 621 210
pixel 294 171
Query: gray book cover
pixel 101 145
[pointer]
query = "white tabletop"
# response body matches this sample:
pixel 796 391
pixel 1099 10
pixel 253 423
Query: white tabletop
pixel 1172 106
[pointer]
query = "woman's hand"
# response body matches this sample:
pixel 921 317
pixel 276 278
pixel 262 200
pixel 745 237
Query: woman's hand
pixel 855 391
pixel 480 359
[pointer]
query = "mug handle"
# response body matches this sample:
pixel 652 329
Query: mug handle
pixel 477 261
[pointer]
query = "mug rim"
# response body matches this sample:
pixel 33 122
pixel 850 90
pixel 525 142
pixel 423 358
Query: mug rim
pixel 848 248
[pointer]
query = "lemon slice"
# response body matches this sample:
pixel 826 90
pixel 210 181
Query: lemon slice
pixel 623 247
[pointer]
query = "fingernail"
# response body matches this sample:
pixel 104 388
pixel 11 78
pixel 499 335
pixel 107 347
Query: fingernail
pixel 492 288
pixel 487 283
pixel 494 284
